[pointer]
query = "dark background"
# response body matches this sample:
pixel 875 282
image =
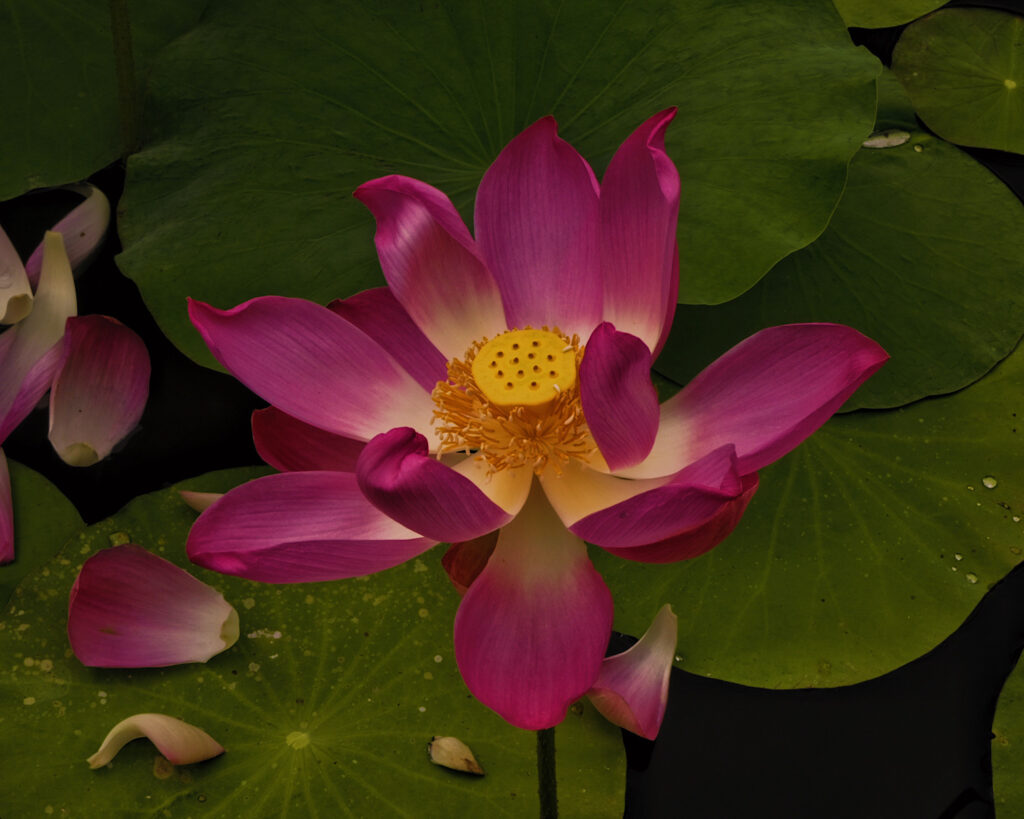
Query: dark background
pixel 913 743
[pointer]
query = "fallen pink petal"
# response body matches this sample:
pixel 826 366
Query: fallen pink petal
pixel 542 430
pixel 631 689
pixel 100 389
pixel 179 742
pixel 132 609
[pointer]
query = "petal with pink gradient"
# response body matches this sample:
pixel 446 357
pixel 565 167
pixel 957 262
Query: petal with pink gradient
pixel 199 501
pixel 536 225
pixel 291 445
pixel 619 401
pixel 132 609
pixel 632 687
pixel 639 210
pixel 179 742
pixel 765 395
pixel 15 290
pixel 378 314
pixel 6 513
pixel 464 561
pixel 445 503
pixel 83 230
pixel 431 263
pixel 534 625
pixel 299 527
pixel 314 365
pixel 100 389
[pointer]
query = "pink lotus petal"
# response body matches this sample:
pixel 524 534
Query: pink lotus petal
pixel 83 230
pixel 632 688
pixel 619 401
pixel 639 210
pixel 537 228
pixel 132 609
pixel 15 290
pixel 697 539
pixel 532 629
pixel 378 314
pixel 299 527
pixel 432 264
pixel 6 513
pixel 451 504
pixel 766 395
pixel 179 742
pixel 291 445
pixel 314 365
pixel 464 561
pixel 100 390
pixel 199 501
pixel 31 350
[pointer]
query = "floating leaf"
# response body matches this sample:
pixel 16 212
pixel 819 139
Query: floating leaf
pixel 861 550
pixel 964 71
pixel 1008 747
pixel 925 254
pixel 883 13
pixel 324 705
pixel 266 117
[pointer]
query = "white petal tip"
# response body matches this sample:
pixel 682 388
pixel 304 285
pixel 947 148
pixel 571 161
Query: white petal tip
pixel 230 630
pixel 79 455
pixel 179 742
pixel 17 308
pixel 200 501
pixel 450 752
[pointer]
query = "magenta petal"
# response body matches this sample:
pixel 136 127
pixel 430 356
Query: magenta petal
pixel 536 225
pixel 464 561
pixel 179 742
pixel 632 687
pixel 299 527
pixel 314 365
pixel 532 629
pixel 619 401
pixel 6 513
pixel 100 390
pixel 639 209
pixel 291 445
pixel 765 395
pixel 132 609
pixel 398 477
pixel 378 314
pixel 432 264
pixel 83 230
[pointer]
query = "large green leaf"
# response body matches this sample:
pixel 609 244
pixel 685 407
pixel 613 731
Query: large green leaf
pixel 964 71
pixel 925 254
pixel 1008 747
pixel 325 704
pixel 265 118
pixel 60 100
pixel 43 521
pixel 862 549
pixel 883 13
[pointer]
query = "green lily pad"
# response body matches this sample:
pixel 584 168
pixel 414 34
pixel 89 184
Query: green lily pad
pixel 264 119
pixel 325 704
pixel 862 550
pixel 61 87
pixel 925 254
pixel 43 521
pixel 1008 747
pixel 964 71
pixel 883 13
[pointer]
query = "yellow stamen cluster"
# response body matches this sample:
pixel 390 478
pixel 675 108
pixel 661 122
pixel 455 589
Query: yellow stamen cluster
pixel 545 426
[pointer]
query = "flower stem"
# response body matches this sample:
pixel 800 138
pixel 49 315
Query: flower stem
pixel 547 784
pixel 124 64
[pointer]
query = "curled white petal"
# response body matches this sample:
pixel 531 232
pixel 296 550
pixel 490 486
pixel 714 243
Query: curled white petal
pixel 179 742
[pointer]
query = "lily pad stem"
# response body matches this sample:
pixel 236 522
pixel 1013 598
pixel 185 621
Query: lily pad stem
pixel 547 784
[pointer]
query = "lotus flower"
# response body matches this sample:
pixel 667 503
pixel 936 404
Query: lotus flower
pixel 497 396
pixel 96 369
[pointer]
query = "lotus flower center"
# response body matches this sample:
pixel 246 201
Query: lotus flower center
pixel 515 400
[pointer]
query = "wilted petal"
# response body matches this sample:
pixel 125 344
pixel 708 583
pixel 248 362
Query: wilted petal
pixel 299 527
pixel 432 264
pixel 15 290
pixel 632 687
pixel 100 391
pixel 6 513
pixel 82 229
pixel 200 501
pixel 537 227
pixel 179 742
pixel 532 629
pixel 132 609
pixel 291 445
